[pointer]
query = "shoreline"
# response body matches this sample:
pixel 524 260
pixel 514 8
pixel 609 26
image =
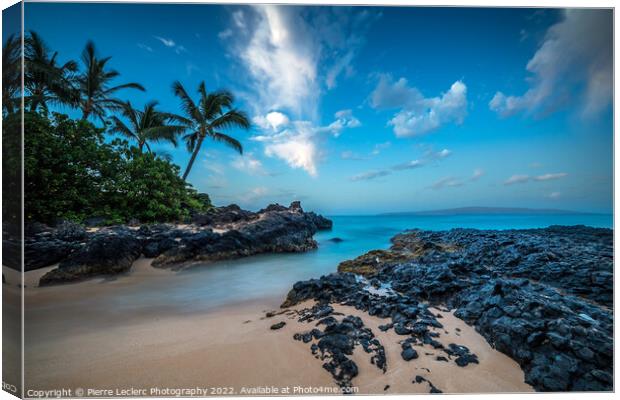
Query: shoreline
pixel 234 347
pixel 108 324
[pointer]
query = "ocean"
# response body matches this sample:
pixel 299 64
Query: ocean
pixel 218 284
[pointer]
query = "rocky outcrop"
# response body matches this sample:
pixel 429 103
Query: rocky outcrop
pixel 45 246
pixel 541 296
pixel 275 230
pixel 218 216
pixel 223 233
pixel 104 254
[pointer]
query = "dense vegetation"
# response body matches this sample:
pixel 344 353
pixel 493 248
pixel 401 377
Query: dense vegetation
pixel 76 170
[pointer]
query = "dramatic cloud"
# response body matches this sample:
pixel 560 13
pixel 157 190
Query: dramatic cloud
pixel 291 52
pixel 478 173
pixel 297 142
pixel 297 149
pixel 517 179
pixel 576 58
pixel 419 114
pixel 370 175
pixel 550 177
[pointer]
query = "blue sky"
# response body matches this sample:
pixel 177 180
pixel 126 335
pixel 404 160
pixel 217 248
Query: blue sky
pixel 366 110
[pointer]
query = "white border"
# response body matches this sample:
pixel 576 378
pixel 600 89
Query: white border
pixel 463 3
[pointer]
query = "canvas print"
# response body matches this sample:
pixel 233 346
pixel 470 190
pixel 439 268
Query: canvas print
pixel 213 200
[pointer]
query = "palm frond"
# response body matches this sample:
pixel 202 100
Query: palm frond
pixel 231 119
pixel 187 104
pixel 227 140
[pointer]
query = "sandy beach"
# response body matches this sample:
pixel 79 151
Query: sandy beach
pixel 75 339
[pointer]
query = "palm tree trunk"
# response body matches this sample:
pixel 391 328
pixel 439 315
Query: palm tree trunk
pixel 193 157
pixel 86 111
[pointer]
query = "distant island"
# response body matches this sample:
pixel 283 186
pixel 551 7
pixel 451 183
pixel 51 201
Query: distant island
pixel 489 210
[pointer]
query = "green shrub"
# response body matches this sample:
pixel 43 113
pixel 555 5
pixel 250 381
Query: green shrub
pixel 72 173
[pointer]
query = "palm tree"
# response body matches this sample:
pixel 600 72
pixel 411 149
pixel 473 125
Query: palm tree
pixel 207 119
pixel 146 125
pixel 11 74
pixel 94 85
pixel 45 81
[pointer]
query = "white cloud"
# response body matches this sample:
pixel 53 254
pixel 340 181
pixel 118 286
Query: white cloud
pixel 517 179
pixel 172 44
pixel 550 177
pixel 366 176
pixel 298 152
pixel 478 173
pixel 225 34
pixel 239 19
pixel 344 119
pixel 418 114
pixel 297 142
pixel 553 195
pixel 273 120
pixel 443 153
pixel 253 195
pixel 408 165
pixel 349 155
pixel 429 156
pixel 165 42
pixel 290 141
pixel 249 164
pixel 290 51
pixel 145 47
pixel 446 182
pixel 281 60
pixel 575 57
pixel 379 147
pixel 341 65
pixel 539 178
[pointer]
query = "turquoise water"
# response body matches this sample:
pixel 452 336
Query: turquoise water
pixel 258 277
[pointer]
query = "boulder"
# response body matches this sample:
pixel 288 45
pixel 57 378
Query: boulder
pixel 104 254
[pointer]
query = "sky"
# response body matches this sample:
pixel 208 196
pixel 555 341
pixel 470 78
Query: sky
pixel 363 110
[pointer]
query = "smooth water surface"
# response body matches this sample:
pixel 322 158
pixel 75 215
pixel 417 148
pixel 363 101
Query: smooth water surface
pixel 272 275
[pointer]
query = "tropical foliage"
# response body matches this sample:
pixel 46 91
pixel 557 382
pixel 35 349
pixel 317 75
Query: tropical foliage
pixel 94 85
pixel 147 125
pixel 73 173
pixel 46 81
pixel 207 119
pixel 75 170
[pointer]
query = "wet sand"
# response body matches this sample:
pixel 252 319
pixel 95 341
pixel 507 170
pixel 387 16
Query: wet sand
pixel 76 339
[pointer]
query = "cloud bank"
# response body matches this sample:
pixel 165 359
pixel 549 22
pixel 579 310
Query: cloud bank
pixel 574 60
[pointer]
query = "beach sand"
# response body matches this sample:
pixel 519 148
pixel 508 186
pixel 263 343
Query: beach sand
pixel 73 342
